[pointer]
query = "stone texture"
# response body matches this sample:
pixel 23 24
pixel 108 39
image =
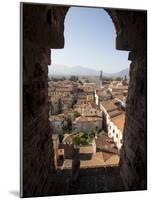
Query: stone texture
pixel 131 29
pixel 91 180
pixel 42 29
pixel 135 133
pixel 133 155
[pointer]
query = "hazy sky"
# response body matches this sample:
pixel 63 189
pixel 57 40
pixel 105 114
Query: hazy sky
pixel 90 41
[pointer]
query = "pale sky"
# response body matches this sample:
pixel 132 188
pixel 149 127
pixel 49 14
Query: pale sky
pixel 90 41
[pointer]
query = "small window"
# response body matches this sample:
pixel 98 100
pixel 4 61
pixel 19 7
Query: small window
pixel 61 157
pixel 113 131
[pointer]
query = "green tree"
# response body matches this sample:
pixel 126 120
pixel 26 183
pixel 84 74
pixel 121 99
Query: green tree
pixel 65 129
pixel 77 140
pixel 76 114
pixel 74 78
pixel 107 78
pixel 118 78
pixel 83 141
pixel 91 133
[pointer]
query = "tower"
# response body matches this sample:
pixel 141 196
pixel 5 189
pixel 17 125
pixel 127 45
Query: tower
pixel 101 77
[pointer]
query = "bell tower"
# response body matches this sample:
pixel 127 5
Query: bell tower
pixel 101 78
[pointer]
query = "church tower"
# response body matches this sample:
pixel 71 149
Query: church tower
pixel 101 78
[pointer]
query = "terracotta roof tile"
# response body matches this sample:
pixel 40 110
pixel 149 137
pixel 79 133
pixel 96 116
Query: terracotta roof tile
pixel 119 121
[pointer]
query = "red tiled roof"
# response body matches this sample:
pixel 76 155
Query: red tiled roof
pixel 119 121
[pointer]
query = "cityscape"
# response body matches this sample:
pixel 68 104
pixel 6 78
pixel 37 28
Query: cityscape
pixel 87 117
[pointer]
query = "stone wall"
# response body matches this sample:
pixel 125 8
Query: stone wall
pixel 132 36
pixel 133 156
pixel 42 29
pixel 91 180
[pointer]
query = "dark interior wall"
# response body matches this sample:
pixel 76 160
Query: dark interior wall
pixel 132 36
pixel 43 28
pixel 133 156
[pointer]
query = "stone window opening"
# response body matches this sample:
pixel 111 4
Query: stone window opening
pixel 130 38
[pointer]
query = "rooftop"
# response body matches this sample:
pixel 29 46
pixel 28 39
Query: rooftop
pixel 106 144
pixel 109 105
pixel 90 84
pixel 87 119
pixel 64 89
pixel 59 117
pixel 97 160
pixel 102 92
pixel 114 113
pixel 119 97
pixel 119 121
pixel 119 87
pixel 68 137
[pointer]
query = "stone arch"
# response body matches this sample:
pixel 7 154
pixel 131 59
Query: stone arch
pixel 132 36
pixel 38 39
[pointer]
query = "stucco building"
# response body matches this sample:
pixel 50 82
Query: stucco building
pixel 113 120
pixel 85 124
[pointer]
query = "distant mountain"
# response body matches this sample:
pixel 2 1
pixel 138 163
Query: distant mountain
pixel 61 70
pixel 121 73
pixel 76 70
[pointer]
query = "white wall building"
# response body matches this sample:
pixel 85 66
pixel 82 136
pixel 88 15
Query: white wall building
pixel 115 129
pixel 114 121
